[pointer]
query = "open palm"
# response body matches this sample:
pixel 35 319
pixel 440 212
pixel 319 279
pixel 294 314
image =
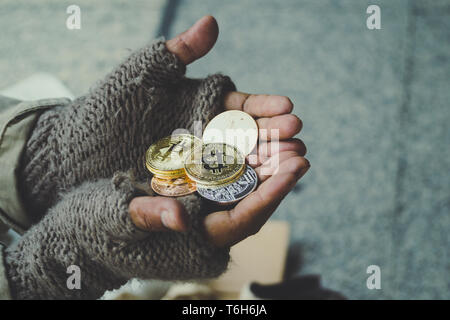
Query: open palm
pixel 278 173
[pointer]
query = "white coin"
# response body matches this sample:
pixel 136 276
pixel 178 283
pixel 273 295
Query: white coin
pixel 234 127
pixel 232 192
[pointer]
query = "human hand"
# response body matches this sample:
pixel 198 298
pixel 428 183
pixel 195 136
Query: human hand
pixel 278 173
pixel 143 100
pixel 108 131
pixel 90 228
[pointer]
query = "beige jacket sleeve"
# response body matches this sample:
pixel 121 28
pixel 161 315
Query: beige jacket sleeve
pixel 17 119
pixel 4 286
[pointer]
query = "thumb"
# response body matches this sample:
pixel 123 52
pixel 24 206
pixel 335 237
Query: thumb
pixel 158 214
pixel 195 42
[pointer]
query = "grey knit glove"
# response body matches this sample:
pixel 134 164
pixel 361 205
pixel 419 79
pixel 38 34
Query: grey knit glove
pixel 91 228
pixel 109 130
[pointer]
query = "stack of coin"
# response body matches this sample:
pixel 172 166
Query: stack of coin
pixel 215 167
pixel 165 159
pixel 220 172
pixel 214 164
pixel 235 128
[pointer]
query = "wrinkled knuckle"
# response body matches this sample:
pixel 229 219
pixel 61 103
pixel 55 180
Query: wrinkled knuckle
pixel 186 50
pixel 133 207
pixel 235 225
pixel 148 224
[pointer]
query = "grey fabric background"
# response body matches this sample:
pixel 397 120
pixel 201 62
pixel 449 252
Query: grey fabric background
pixel 375 107
pixel 34 38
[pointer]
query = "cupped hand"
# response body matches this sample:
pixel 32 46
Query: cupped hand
pixel 278 172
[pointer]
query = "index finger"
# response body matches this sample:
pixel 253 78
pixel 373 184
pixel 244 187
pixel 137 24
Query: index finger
pixel 258 105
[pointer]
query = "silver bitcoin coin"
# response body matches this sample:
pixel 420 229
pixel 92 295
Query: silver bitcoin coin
pixel 232 192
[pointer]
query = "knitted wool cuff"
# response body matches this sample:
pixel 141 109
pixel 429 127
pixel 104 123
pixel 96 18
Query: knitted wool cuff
pixel 144 99
pixel 91 228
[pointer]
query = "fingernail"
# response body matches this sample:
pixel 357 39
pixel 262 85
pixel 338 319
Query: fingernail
pixel 167 219
pixel 304 170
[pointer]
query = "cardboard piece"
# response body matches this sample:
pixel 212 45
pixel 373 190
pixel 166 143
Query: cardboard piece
pixel 260 258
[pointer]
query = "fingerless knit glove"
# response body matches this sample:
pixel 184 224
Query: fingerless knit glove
pixel 109 130
pixel 105 131
pixel 91 228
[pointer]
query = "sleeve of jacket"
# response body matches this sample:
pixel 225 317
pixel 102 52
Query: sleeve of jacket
pixel 5 293
pixel 17 119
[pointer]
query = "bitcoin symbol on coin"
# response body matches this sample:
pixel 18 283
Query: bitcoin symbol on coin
pixel 214 162
pixel 167 154
pixel 215 167
pixel 174 149
pixel 219 163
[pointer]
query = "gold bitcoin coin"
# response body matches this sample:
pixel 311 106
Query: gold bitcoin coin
pixel 234 127
pixel 172 190
pixel 223 183
pixel 214 163
pixel 165 157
